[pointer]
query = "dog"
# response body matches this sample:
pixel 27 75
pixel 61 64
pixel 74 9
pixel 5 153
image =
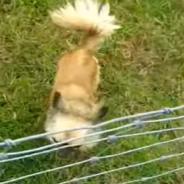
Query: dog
pixel 74 101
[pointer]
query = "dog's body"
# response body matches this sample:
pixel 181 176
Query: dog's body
pixel 77 76
pixel 74 101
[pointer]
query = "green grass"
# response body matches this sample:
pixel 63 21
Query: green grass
pixel 142 70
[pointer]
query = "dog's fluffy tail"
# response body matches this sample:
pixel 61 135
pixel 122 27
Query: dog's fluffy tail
pixel 87 16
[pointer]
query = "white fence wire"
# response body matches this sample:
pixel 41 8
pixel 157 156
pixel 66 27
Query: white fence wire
pixel 137 121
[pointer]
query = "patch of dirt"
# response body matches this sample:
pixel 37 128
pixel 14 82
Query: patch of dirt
pixel 139 54
pixel 4 56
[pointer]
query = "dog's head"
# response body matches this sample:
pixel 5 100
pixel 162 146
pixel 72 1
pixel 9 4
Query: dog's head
pixel 59 119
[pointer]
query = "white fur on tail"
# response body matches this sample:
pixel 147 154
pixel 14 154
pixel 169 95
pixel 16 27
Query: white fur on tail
pixel 88 16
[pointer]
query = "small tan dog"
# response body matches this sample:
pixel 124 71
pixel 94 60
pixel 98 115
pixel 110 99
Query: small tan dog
pixel 74 102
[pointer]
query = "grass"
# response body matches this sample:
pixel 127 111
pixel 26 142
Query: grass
pixel 142 70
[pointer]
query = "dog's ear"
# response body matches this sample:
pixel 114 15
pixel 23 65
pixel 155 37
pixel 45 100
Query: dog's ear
pixel 56 100
pixel 101 114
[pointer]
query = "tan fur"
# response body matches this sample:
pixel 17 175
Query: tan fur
pixel 77 81
pixel 78 74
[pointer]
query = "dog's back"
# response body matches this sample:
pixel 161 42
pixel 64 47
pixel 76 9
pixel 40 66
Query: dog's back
pixel 76 75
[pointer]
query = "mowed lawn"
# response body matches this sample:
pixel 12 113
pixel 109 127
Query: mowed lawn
pixel 142 70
